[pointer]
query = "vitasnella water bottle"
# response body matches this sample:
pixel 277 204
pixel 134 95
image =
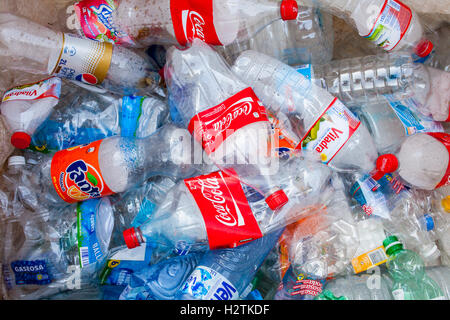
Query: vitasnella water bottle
pixel 423 160
pixel 180 21
pixel 190 219
pixel 225 274
pixel 25 107
pixel 53 251
pixel 308 39
pixel 31 47
pixel 161 281
pixel 408 273
pixel 112 165
pixel 389 24
pixel 391 121
pixel 225 116
pixel 83 116
pixel 324 123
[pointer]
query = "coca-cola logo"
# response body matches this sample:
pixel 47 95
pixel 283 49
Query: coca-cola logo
pixel 242 107
pixel 197 23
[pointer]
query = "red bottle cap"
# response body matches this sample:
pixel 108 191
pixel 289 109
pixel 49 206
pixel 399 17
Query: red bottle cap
pixel 424 48
pixel 386 163
pixel 289 9
pixel 20 140
pixel 277 199
pixel 130 237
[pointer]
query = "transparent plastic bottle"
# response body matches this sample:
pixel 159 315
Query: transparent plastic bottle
pixel 84 115
pixel 31 47
pixel 225 274
pixel 408 273
pixel 308 39
pixel 389 24
pixel 314 110
pixel 215 22
pixel 112 165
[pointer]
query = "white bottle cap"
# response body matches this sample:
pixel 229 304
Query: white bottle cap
pixel 429 251
pixel 16 160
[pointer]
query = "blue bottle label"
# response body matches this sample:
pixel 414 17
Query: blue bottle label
pixel 31 272
pixel 88 244
pixel 131 112
pixel 305 70
pixel 207 284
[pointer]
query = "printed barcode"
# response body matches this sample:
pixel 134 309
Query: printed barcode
pixel 377 256
pixel 394 5
pixel 84 256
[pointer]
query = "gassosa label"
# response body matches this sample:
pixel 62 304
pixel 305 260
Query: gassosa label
pixel 331 131
pixel 76 173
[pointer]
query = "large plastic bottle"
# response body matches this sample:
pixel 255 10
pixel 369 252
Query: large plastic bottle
pixel 217 210
pixel 324 123
pixel 389 24
pixel 225 274
pixel 112 165
pixel 180 21
pixel 31 47
pixel 423 160
pixel 83 116
pixel 225 116
pixel 407 270
pixel 308 39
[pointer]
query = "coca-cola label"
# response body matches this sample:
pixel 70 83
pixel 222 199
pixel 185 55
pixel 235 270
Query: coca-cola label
pixel 193 19
pixel 331 131
pixel 444 138
pixel 76 174
pixel 213 126
pixel 228 218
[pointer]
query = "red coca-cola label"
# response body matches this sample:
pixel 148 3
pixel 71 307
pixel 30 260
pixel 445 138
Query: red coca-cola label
pixel 307 287
pixel 228 218
pixel 213 126
pixel 193 19
pixel 444 138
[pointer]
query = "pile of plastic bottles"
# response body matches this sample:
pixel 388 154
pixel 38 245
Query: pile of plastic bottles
pixel 216 150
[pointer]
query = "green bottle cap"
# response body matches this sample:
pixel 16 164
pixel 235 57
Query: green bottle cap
pixel 392 245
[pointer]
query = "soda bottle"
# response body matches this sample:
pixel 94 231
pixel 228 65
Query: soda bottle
pixel 225 274
pixel 406 268
pixel 143 23
pixel 112 165
pixel 31 47
pixel 324 123
pixel 389 24
pixel 423 160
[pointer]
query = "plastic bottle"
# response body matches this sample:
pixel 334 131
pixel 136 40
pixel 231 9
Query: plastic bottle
pixel 407 270
pixel 83 116
pixel 347 145
pixel 180 21
pixel 389 24
pixel 423 160
pixel 225 116
pixel 112 165
pixel 225 274
pixel 390 122
pixel 31 47
pixel 308 39
pixel 26 107
pixel 187 219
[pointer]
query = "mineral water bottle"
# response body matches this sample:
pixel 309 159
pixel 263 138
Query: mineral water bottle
pixel 423 160
pixel 324 122
pixel 181 21
pixel 225 116
pixel 83 116
pixel 389 24
pixel 112 165
pixel 225 274
pixel 308 39
pixel 408 273
pixel 31 47
pixel 25 108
